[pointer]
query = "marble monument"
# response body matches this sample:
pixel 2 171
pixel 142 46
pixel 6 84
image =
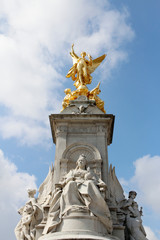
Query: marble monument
pixel 81 197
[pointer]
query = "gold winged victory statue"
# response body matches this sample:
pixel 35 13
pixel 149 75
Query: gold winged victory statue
pixel 80 73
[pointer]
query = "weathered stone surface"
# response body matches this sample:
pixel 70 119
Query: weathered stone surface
pixel 82 106
pixel 82 133
pixel 32 214
pixel 81 198
pixel 77 235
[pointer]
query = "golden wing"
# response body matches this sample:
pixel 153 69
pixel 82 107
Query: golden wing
pixel 46 187
pixel 95 89
pixel 95 63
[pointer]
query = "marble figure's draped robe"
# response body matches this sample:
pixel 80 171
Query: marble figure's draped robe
pixel 80 193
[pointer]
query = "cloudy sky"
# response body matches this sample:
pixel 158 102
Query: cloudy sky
pixel 35 40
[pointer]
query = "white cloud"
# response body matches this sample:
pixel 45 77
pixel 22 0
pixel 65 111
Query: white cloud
pixel 13 186
pixel 27 130
pixel 150 233
pixel 147 180
pixel 35 37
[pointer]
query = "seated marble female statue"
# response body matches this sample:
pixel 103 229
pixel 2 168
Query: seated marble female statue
pixel 80 192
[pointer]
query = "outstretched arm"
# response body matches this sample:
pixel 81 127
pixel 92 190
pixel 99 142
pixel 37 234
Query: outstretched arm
pixel 72 50
pixel 90 59
pixel 73 54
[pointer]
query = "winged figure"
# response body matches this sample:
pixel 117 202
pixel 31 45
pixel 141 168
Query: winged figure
pixel 115 189
pixel 93 96
pixel 46 189
pixel 82 68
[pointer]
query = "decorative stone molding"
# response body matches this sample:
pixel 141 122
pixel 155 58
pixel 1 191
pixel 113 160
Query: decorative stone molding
pixel 88 129
pixel 93 152
pixel 91 126
pixel 61 130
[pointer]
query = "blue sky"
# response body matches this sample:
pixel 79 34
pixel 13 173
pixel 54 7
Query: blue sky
pixel 35 40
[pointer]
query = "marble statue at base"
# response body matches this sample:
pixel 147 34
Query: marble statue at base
pixel 134 225
pixel 80 191
pixel 31 216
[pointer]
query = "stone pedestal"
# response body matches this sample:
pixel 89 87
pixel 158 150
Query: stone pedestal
pixel 76 235
pixel 39 230
pixel 75 134
pixel 118 231
pixel 80 223
pixel 81 128
pixel 80 227
pixel 81 198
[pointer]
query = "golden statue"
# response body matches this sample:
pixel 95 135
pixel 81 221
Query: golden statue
pixel 69 96
pixel 93 96
pixel 82 68
pixel 80 72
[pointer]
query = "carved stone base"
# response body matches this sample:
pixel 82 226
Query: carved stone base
pixel 76 235
pixel 80 227
pixel 39 230
pixel 118 231
pixel 82 223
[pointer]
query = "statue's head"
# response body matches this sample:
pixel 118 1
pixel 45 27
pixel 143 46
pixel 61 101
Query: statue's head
pixel 81 162
pixel 83 54
pixel 28 208
pixel 31 192
pixel 132 194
